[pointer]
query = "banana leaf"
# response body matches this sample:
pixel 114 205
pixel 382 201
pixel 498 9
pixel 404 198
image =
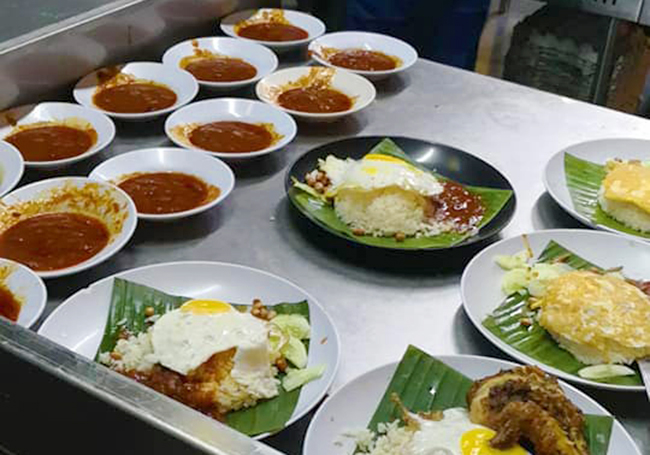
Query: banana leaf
pixel 583 179
pixel 323 213
pixel 127 312
pixel 424 383
pixel 534 340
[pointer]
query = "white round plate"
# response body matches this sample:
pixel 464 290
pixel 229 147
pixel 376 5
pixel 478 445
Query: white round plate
pixel 353 405
pixel 29 288
pixel 35 190
pixel 12 167
pixel 357 87
pixel 168 159
pixel 597 152
pixel 481 281
pixel 179 81
pixel 232 109
pixel 311 24
pixel 367 41
pixel 263 59
pixel 47 112
pixel 78 323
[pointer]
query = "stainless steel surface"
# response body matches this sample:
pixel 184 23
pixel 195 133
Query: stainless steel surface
pixel 381 302
pixel 20 17
pixel 644 16
pixel 621 9
pixel 157 410
pixel 46 62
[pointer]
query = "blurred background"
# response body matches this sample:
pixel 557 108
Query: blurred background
pixel 591 50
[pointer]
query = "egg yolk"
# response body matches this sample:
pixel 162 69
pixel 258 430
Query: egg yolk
pixel 477 442
pixel 206 307
pixel 378 157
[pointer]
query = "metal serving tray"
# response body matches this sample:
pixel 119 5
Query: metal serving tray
pixel 380 301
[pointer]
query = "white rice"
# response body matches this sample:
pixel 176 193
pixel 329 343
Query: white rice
pixel 625 212
pixel 133 354
pixel 387 211
pixel 391 439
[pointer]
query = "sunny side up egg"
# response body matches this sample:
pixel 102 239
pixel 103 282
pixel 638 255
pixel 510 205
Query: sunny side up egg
pixel 455 434
pixel 376 171
pixel 185 338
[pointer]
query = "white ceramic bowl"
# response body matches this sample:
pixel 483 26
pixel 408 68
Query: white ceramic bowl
pixel 481 281
pixel 126 209
pixel 28 287
pixel 178 80
pixel 165 159
pixel 78 323
pixel 311 24
pixel 350 84
pixel 366 41
pixel 263 59
pixel 12 167
pixel 232 109
pixel 351 407
pixel 596 152
pixel 46 112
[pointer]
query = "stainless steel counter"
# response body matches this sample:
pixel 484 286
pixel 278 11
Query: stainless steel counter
pixel 382 302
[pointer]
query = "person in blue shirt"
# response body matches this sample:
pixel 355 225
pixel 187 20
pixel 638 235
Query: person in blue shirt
pixel 446 31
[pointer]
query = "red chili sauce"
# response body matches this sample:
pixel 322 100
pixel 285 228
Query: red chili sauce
pixel 231 137
pixel 272 31
pixel 51 143
pixel 54 241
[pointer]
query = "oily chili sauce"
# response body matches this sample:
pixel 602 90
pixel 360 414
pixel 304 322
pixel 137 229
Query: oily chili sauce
pixel 134 98
pixel 458 205
pixel 197 388
pixel 9 305
pixel 165 192
pixel 231 137
pixel 315 100
pixel 52 142
pixel 273 31
pixel 221 69
pixel 360 59
pixel 54 241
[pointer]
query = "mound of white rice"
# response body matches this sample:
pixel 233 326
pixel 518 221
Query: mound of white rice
pixel 387 211
pixel 625 212
pixel 390 439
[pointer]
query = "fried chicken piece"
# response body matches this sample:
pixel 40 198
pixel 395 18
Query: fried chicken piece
pixel 526 403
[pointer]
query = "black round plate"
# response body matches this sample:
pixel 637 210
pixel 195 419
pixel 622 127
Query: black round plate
pixel 445 160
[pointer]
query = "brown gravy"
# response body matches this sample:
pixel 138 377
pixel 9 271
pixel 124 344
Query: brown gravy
pixel 134 98
pixel 9 305
pixel 167 192
pixel 231 137
pixel 457 204
pixel 221 69
pixel 273 31
pixel 360 59
pixel 51 143
pixel 315 100
pixel 54 241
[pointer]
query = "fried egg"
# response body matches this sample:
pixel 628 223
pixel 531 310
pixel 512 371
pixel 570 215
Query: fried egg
pixel 598 318
pixel 185 338
pixel 625 193
pixel 375 171
pixel 455 434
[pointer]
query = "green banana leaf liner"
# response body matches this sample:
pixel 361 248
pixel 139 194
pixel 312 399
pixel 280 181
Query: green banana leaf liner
pixel 534 340
pixel 424 383
pixel 583 179
pixel 493 200
pixel 127 312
